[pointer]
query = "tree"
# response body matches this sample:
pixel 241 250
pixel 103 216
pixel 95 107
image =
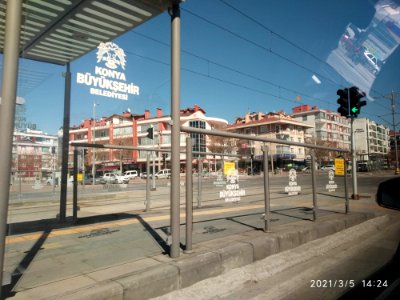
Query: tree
pixel 220 144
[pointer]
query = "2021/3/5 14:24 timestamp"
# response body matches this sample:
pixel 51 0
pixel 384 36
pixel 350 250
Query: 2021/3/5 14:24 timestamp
pixel 374 283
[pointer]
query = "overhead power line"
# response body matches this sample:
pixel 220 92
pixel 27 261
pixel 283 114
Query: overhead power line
pixel 237 71
pixel 281 37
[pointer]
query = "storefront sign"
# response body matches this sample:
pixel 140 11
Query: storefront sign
pixel 109 80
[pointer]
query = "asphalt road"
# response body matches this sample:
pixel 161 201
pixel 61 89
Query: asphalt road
pixel 33 204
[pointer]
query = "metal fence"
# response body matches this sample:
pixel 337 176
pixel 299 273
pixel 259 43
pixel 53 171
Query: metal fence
pixel 228 190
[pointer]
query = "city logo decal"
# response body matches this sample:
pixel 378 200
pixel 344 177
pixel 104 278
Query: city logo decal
pixel 112 54
pixel 109 80
pixel 292 188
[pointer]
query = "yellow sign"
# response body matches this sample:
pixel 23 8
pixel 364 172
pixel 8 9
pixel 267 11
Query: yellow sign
pixel 228 166
pixel 339 167
pixel 80 177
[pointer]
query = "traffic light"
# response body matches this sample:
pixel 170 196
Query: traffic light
pixel 150 133
pixel 355 101
pixel 343 101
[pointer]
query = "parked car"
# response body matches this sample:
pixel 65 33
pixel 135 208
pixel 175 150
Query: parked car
pixel 362 167
pixel 165 173
pixel 108 178
pixel 131 174
pixel 143 175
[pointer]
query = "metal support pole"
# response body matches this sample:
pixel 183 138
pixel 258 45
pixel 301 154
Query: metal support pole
pixel 314 187
pixel 54 171
pixel 83 167
pixel 7 113
pixel 175 131
pixel 199 176
pixel 266 190
pixel 147 181
pixel 94 142
pixel 65 146
pixel 355 195
pixel 153 172
pixel 75 187
pixel 346 193
pixel 189 195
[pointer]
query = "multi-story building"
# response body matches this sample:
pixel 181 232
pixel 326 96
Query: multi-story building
pixel 327 128
pixel 372 143
pixel 132 130
pixel 275 126
pixel 34 153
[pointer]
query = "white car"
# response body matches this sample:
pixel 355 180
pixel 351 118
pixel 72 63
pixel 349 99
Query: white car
pixel 373 61
pixel 108 178
pixel 122 179
pixel 131 174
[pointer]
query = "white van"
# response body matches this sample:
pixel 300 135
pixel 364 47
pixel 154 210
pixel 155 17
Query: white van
pixel 131 174
pixel 165 173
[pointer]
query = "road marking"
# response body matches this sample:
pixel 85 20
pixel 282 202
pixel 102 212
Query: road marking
pixel 86 228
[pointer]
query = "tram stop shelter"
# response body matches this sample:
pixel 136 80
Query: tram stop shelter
pixel 58 32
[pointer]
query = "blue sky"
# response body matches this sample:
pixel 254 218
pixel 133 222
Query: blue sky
pixel 231 64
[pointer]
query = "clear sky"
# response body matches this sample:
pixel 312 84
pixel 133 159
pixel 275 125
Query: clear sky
pixel 237 57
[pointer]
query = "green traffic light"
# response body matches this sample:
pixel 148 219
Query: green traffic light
pixel 354 110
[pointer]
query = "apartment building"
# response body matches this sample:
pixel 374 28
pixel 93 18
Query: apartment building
pixel 34 153
pixel 327 127
pixel 130 129
pixel 275 126
pixel 372 143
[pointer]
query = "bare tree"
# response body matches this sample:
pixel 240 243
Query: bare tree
pixel 220 144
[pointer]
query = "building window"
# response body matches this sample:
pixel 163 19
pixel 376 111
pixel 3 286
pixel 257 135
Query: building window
pixel 123 131
pixel 198 140
pixel 263 129
pixel 101 133
pixel 304 118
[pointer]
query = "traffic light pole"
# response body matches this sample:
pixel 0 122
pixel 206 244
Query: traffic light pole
pixel 397 170
pixel 355 195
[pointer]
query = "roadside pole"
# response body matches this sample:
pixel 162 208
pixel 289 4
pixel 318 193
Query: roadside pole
pixel 189 196
pixel 153 173
pixel 266 190
pixel 147 181
pixel 355 195
pixel 7 113
pixel 175 131
pixel 397 170
pixel 314 186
